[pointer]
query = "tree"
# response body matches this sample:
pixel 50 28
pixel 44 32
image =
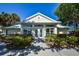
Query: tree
pixel 15 18
pixel 7 19
pixel 68 13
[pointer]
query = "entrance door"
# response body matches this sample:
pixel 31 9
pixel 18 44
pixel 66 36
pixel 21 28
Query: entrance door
pixel 38 33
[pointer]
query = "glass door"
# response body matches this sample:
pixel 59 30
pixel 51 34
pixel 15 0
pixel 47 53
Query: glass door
pixel 38 32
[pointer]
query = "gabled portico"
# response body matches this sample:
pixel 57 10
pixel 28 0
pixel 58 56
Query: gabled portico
pixel 42 25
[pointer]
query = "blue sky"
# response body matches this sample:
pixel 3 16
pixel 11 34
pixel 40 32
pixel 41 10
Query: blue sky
pixel 25 10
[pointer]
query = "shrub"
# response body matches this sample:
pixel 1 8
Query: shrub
pixel 63 43
pixel 75 32
pixel 63 40
pixel 61 35
pixel 58 40
pixel 7 39
pixel 28 39
pixel 78 40
pixel 49 38
pixel 2 37
pixel 72 40
pixel 19 41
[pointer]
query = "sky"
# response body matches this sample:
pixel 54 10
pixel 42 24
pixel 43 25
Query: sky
pixel 25 10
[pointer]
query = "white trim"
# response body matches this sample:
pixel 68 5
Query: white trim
pixel 14 26
pixel 60 26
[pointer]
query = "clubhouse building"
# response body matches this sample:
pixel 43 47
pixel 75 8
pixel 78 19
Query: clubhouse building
pixel 39 25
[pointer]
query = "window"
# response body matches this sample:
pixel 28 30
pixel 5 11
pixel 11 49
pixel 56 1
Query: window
pixel 47 30
pixel 27 31
pixel 27 25
pixel 51 30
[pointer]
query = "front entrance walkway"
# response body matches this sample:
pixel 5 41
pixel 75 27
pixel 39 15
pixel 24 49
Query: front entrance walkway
pixel 38 48
pixel 41 49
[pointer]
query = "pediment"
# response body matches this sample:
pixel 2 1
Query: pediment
pixel 40 18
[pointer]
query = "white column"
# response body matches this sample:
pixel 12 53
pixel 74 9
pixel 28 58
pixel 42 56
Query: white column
pixel 55 30
pixel 44 31
pixel 21 29
pixel 50 31
pixel 33 30
pixel 4 31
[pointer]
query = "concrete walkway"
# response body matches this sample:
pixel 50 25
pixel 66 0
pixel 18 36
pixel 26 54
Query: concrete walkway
pixel 44 50
pixel 38 48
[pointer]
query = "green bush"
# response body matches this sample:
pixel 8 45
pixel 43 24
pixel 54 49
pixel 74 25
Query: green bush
pixel 58 40
pixel 19 41
pixel 2 37
pixel 7 39
pixel 61 35
pixel 28 39
pixel 78 40
pixel 72 40
pixel 63 43
pixel 49 38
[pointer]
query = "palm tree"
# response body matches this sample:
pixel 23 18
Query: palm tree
pixel 15 18
pixel 7 19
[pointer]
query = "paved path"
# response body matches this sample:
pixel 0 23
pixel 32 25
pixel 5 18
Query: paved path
pixel 38 48
pixel 42 49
